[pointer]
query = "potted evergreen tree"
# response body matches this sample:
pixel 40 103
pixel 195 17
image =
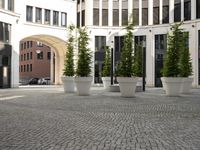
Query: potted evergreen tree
pixel 67 78
pixel 171 70
pixel 126 79
pixel 137 65
pixel 106 68
pixel 185 65
pixel 83 79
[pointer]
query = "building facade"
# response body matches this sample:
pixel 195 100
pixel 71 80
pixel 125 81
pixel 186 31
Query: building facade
pixel 35 60
pixel 32 21
pixel 105 20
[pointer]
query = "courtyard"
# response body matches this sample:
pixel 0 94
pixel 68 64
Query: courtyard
pixel 46 118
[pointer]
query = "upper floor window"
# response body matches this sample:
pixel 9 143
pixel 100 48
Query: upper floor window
pixel 144 12
pixel 165 16
pixel 177 10
pixel 40 55
pixel 96 16
pixel 198 8
pixel 136 12
pixel 2 3
pixel 55 17
pixel 124 12
pixel 48 55
pixel 78 19
pixel 187 9
pixel 115 13
pixel 47 16
pixel 5 32
pixel 156 12
pixel 29 13
pixel 11 5
pixel 38 15
pixel 63 19
pixel 105 13
pixel 83 18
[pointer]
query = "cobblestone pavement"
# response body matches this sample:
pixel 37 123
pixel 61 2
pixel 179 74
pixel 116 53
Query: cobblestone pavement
pixel 47 119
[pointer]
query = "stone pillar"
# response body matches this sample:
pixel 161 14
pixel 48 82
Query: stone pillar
pixel 150 12
pixel 161 11
pixel 110 13
pixel 140 12
pixel 171 11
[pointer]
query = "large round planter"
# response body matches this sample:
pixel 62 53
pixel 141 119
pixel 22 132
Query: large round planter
pixel 127 86
pixel 83 85
pixel 172 85
pixel 186 86
pixel 106 82
pixel 68 84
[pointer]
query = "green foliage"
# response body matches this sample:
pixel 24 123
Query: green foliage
pixel 137 59
pixel 171 62
pixel 126 61
pixel 185 59
pixel 69 62
pixel 107 62
pixel 84 54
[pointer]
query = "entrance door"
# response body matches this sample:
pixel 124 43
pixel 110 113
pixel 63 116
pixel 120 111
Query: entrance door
pixel 160 50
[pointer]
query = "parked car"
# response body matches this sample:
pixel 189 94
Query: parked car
pixel 33 81
pixel 44 81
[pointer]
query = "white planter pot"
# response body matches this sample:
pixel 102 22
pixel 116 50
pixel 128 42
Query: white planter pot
pixel 172 85
pixel 186 85
pixel 68 84
pixel 127 86
pixel 83 85
pixel 106 82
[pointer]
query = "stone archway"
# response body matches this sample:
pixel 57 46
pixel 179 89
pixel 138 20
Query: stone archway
pixel 59 47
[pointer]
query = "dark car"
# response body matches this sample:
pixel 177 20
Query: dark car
pixel 33 81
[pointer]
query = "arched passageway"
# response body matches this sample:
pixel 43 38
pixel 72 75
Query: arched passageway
pixel 59 48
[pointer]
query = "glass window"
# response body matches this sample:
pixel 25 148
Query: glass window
pixel 198 8
pixel 21 57
pixel 24 68
pixel 2 3
pixel 27 67
pixel 177 10
pixel 124 12
pixel 83 18
pixel 38 15
pixel 5 32
pixel 187 9
pixel 48 55
pixel 105 13
pixel 29 13
pixel 96 16
pixel 31 55
pixel 136 11
pixel 115 13
pixel 24 57
pixel 78 19
pixel 105 17
pixel 28 44
pixel 40 55
pixel 124 17
pixel 100 42
pixel 144 12
pixel 31 68
pixel 156 12
pixel 27 56
pixel 165 17
pixel 63 19
pixel 11 5
pixel 31 45
pixel 24 45
pixel 47 16
pixel 115 17
pixel 55 17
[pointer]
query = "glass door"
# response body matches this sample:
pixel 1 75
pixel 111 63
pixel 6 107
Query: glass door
pixel 160 50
